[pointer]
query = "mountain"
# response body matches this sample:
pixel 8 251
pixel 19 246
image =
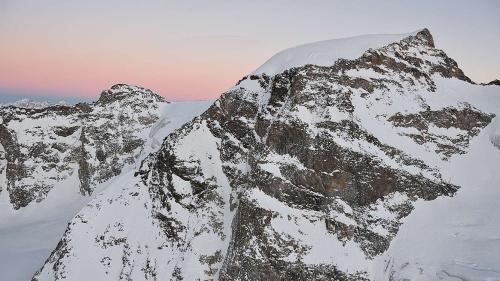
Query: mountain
pixel 494 82
pixel 366 158
pixel 46 145
pixel 54 158
pixel 26 103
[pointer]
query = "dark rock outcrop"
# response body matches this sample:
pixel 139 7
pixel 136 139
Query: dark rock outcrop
pixel 494 82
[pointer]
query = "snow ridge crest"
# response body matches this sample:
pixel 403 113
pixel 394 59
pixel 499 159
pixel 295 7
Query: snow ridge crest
pixel 325 53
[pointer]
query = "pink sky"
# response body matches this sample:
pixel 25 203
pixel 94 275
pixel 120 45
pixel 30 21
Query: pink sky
pixel 83 71
pixel 191 50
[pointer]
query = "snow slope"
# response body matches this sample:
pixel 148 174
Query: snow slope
pixel 455 238
pixel 28 235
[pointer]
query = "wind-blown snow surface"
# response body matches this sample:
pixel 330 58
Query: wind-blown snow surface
pixel 325 53
pixel 28 235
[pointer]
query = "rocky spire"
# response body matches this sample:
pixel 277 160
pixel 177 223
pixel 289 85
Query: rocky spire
pixel 426 36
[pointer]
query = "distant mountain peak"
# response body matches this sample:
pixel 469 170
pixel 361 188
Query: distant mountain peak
pixel 494 82
pixel 120 92
pixel 29 103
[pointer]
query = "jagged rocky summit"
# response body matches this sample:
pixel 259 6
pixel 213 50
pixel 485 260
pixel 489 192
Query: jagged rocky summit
pixel 305 170
pixel 45 145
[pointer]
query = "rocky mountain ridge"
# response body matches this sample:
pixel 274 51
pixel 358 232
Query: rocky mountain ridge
pixel 494 82
pixel 28 103
pixel 303 174
pixel 45 145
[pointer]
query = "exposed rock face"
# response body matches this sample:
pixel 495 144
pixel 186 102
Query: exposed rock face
pixel 44 146
pixel 429 124
pixel 303 175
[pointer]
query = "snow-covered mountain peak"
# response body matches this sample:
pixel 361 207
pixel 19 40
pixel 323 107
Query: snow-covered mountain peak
pixel 53 158
pixel 325 53
pixel 28 103
pixel 95 141
pixel 128 93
